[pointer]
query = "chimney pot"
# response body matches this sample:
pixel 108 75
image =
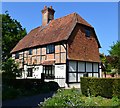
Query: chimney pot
pixel 50 7
pixel 47 15
pixel 45 7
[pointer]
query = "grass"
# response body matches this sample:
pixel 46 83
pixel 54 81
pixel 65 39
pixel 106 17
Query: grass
pixel 73 97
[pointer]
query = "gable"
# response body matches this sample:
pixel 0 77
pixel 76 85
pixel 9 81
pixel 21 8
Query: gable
pixel 81 47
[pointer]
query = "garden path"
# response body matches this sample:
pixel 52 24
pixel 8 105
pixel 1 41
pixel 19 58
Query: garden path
pixel 26 102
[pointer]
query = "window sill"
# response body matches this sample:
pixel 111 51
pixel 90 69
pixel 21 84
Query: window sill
pixel 49 77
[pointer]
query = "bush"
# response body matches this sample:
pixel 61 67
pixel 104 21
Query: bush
pixel 73 98
pixel 105 87
pixel 14 88
pixel 9 93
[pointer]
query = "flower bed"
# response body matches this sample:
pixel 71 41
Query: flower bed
pixel 73 97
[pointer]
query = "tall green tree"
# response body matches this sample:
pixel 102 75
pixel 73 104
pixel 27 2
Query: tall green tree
pixel 115 53
pixel 12 32
pixel 10 69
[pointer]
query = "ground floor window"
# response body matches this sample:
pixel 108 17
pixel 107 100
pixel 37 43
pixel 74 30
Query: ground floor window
pixel 30 72
pixel 49 72
pixel 78 69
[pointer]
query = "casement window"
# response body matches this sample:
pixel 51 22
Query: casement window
pixel 17 56
pixel 49 72
pixel 87 32
pixel 78 69
pixel 50 49
pixel 30 71
pixel 30 51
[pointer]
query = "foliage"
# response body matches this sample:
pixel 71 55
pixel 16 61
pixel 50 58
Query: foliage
pixel 74 98
pixel 105 61
pixel 105 87
pixel 110 62
pixel 103 58
pixel 12 32
pixel 14 88
pixel 10 69
pixel 115 53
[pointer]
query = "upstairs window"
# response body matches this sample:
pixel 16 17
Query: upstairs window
pixel 50 49
pixel 87 32
pixel 17 56
pixel 30 51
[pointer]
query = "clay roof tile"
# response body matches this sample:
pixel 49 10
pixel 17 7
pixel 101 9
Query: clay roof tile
pixel 55 31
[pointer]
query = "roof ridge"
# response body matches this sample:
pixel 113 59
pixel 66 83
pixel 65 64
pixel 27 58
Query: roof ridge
pixel 55 31
pixel 82 21
pixel 75 14
pixel 64 16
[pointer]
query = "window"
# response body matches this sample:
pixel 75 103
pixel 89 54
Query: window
pixel 29 72
pixel 50 49
pixel 17 56
pixel 72 66
pixel 49 72
pixel 87 32
pixel 30 51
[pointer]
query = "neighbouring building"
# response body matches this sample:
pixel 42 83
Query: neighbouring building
pixel 64 49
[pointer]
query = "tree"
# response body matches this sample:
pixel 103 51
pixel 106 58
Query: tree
pixel 10 69
pixel 12 32
pixel 115 53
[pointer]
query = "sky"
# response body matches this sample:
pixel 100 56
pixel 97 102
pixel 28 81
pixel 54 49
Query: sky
pixel 103 16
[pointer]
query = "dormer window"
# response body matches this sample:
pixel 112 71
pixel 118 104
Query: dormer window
pixel 50 49
pixel 17 56
pixel 87 32
pixel 30 51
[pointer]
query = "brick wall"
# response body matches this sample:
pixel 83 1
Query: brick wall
pixel 81 47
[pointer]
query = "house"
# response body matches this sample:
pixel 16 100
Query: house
pixel 64 49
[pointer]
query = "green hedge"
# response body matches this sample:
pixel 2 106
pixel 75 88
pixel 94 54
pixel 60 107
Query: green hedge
pixel 30 83
pixel 105 87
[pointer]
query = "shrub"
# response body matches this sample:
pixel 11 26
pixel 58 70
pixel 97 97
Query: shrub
pixel 105 87
pixel 14 88
pixel 73 98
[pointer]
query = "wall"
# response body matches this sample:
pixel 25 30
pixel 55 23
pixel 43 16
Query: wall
pixel 81 47
pixel 60 75
pixel 39 55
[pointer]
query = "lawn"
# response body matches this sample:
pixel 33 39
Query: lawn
pixel 73 97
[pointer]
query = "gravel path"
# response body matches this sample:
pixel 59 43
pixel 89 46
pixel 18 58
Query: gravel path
pixel 26 102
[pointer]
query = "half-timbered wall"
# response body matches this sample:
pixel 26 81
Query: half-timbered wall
pixel 39 55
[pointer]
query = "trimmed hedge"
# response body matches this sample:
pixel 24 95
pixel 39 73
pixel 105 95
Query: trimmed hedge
pixel 30 83
pixel 15 88
pixel 105 87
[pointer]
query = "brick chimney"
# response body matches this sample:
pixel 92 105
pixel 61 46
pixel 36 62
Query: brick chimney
pixel 47 15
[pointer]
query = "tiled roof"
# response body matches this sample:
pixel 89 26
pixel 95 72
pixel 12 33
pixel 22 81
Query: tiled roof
pixel 57 30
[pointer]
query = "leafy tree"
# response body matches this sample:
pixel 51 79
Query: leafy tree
pixel 10 69
pixel 12 32
pixel 103 58
pixel 115 53
pixel 106 60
